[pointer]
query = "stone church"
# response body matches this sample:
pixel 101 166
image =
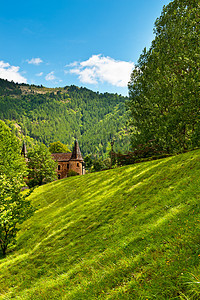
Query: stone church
pixel 66 161
pixel 69 161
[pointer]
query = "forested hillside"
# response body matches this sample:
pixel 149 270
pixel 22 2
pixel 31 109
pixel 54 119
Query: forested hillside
pixel 48 115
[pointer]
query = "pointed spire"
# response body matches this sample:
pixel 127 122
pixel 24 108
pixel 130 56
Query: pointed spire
pixel 76 153
pixel 24 150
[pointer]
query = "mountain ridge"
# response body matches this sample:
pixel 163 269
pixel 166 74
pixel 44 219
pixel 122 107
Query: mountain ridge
pixel 51 114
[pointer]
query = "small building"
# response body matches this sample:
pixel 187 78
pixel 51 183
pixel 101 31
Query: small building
pixel 69 161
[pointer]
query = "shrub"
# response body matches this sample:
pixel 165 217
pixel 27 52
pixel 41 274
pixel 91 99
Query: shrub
pixel 71 173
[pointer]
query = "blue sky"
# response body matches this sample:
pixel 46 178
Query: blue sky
pixel 91 43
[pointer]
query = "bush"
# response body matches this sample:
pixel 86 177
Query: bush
pixel 72 173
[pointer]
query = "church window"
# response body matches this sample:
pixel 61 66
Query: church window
pixel 58 167
pixel 67 166
pixel 59 176
pixel 77 164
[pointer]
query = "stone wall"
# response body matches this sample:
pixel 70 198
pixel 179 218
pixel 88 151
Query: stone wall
pixel 76 166
pixel 64 167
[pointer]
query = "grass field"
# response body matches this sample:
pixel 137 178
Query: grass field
pixel 127 233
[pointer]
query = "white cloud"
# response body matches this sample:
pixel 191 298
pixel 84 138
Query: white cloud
pixel 50 76
pixel 39 74
pixel 11 73
pixel 74 64
pixel 35 61
pixel 99 68
pixel 86 75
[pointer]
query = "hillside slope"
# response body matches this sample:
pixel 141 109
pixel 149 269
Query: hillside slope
pixel 126 233
pixel 52 114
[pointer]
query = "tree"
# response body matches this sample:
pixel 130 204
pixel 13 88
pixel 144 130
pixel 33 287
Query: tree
pixel 58 147
pixel 94 164
pixel 14 210
pixel 164 86
pixel 41 166
pixel 11 162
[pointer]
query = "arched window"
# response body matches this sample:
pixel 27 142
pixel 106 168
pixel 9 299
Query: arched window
pixel 58 167
pixel 59 176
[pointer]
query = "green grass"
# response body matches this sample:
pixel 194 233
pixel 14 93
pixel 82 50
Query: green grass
pixel 127 233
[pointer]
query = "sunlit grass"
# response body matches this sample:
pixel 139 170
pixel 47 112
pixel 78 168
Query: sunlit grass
pixel 127 233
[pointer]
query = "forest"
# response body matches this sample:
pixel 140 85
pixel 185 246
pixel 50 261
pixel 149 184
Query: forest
pixel 48 115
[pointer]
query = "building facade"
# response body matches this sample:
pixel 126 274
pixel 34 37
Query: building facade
pixel 69 162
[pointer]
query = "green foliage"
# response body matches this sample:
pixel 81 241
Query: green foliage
pixel 9 88
pixel 72 173
pixel 48 115
pixel 14 210
pixel 94 164
pixel 126 233
pixel 58 147
pixel 17 131
pixel 143 152
pixel 164 87
pixel 88 162
pixel 11 162
pixel 41 166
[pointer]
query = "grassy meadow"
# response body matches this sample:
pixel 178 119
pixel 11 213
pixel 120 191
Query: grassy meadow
pixel 127 233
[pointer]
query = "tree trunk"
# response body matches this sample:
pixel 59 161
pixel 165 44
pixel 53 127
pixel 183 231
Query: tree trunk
pixel 4 248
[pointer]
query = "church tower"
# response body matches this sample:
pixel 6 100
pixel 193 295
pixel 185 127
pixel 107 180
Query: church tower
pixel 76 162
pixel 69 162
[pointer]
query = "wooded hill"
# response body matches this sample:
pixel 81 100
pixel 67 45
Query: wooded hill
pixel 51 114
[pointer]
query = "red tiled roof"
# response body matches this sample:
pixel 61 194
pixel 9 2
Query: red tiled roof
pixel 61 156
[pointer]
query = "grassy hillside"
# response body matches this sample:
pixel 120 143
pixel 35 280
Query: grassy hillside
pixel 127 233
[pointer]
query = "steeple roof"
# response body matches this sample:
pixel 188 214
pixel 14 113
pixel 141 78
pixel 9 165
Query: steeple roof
pixel 24 150
pixel 76 153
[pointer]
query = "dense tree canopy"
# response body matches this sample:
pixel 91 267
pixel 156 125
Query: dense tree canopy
pixel 11 162
pixel 58 147
pixel 49 115
pixel 41 166
pixel 165 86
pixel 14 207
